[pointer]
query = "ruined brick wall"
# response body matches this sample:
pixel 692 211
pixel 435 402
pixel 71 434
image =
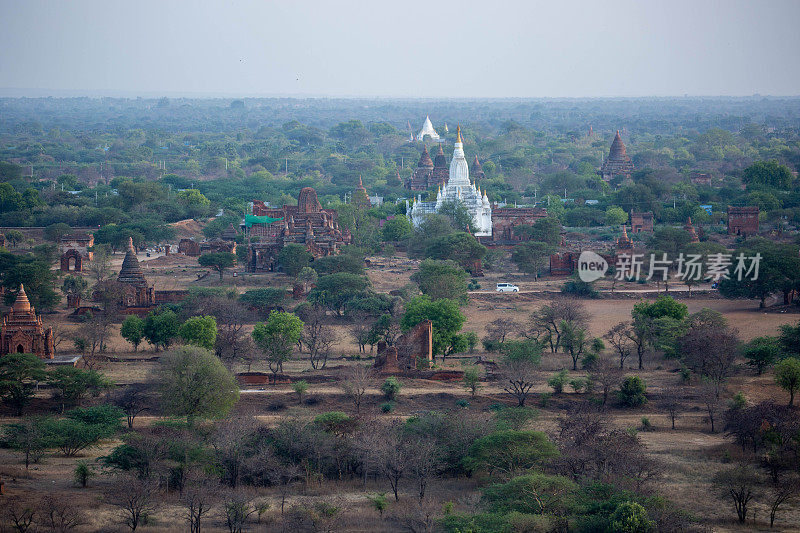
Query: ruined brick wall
pixel 641 222
pixel 563 263
pixel 189 247
pixel 505 219
pixel 412 351
pixel 743 220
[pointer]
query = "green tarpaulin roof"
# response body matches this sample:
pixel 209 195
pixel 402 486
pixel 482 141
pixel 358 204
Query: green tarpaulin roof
pixel 249 220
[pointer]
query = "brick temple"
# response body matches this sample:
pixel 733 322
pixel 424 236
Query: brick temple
pixel 23 332
pixel 306 223
pixel 618 163
pixel 743 220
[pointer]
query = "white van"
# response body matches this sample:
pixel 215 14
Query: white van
pixel 506 287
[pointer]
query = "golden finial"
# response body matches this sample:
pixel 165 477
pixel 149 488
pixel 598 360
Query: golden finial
pixel 458 132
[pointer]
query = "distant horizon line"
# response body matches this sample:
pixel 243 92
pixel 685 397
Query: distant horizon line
pixel 17 92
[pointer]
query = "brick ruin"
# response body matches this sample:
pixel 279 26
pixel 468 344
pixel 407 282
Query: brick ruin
pixel 701 178
pixel 413 351
pixel 505 219
pixel 742 220
pixel 192 248
pixel 306 223
pixel 641 221
pixel 74 250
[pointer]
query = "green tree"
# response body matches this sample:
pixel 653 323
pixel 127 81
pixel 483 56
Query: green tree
pixel 769 173
pixel 397 229
pixel 161 328
pixel 195 202
pixel 778 271
pixel 19 374
pixel 54 232
pixel 459 216
pixel 462 248
pixel 532 256
pixel 336 291
pixel 615 216
pixel 510 452
pixel 547 230
pixel 533 494
pixel 219 261
pixel 14 237
pixel 442 279
pixel 671 241
pixel 132 330
pixel 762 352
pixel 472 380
pixel 292 258
pixel 445 315
pixel 787 376
pixel 73 384
pixel 194 383
pixel 76 285
pixel 265 300
pixel 631 517
pixel 391 388
pixel 277 337
pixel 199 331
pixel 632 391
pixel 790 339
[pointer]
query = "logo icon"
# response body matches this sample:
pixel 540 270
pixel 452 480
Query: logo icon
pixel 591 266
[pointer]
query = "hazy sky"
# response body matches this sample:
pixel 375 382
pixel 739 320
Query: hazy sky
pixel 438 48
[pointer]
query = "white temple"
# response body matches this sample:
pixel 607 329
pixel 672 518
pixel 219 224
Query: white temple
pixel 459 189
pixel 427 130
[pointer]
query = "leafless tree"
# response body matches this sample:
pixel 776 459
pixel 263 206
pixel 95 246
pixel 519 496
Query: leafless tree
pixel 551 317
pixel 360 330
pixel 390 455
pixel 618 338
pixel 318 337
pixel 199 496
pixel 739 483
pixel 500 328
pixel 591 448
pixel 425 461
pixel 710 398
pixel 671 401
pixel 356 380
pixel 134 497
pixel 606 375
pixel 230 441
pixel 518 375
pixel 59 515
pixel 237 509
pixel 710 347
pixel 781 493
pixel 231 316
pixel 18 514
pixel 132 401
pixel 100 265
pixel 418 516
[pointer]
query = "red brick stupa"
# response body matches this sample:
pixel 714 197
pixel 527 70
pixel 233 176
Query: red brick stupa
pixel 23 332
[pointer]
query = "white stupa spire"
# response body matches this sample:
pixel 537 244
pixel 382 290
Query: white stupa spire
pixel 427 129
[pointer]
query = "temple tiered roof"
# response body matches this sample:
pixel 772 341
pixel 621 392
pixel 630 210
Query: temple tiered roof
pixel 618 162
pixel 131 272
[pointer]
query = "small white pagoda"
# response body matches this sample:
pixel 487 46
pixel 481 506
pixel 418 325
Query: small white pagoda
pixel 428 131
